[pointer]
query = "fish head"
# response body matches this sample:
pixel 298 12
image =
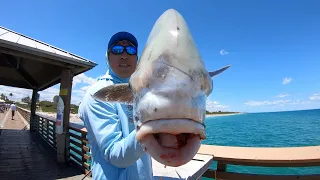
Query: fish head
pixel 168 91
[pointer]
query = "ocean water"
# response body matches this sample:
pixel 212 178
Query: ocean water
pixel 276 129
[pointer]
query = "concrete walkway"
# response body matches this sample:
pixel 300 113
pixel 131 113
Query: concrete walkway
pixel 18 122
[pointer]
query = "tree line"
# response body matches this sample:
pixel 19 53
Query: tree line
pixel 221 112
pixel 45 105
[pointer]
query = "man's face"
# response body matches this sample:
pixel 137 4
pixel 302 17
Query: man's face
pixel 122 64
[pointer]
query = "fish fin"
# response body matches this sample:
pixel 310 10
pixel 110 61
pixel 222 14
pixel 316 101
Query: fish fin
pixel 115 93
pixel 214 73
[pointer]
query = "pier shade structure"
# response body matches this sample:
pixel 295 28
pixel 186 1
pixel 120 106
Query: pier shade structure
pixel 31 64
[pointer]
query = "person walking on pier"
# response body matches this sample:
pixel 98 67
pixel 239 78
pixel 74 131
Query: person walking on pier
pixel 13 110
pixel 116 154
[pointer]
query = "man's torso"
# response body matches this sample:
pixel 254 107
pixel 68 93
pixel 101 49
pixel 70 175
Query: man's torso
pixel 99 164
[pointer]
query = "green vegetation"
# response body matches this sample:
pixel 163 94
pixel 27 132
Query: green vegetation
pixel 48 106
pixel 5 98
pixel 44 106
pixel 222 112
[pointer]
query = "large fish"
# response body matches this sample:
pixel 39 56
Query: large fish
pixel 168 91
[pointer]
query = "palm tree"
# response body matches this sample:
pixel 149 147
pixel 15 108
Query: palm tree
pixel 10 97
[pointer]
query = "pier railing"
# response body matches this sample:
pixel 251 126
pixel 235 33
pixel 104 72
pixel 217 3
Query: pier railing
pixel 223 155
pixel 80 154
pixel 46 127
pixel 24 113
pixel 79 151
pixel 261 157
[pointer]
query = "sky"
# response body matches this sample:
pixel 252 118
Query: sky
pixel 272 46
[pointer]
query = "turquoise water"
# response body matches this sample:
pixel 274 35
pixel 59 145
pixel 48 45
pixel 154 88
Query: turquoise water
pixel 277 129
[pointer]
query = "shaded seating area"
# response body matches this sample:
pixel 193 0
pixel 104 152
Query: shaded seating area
pixel 31 64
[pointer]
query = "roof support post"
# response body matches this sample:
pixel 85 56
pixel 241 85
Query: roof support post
pixel 33 120
pixel 65 94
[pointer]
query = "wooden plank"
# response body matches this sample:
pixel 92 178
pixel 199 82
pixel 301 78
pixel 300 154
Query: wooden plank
pixel 45 117
pixel 86 165
pixel 53 145
pixel 76 136
pixel 192 170
pixel 75 143
pixel 77 127
pixel 76 150
pixel 87 157
pixel 76 158
pixel 240 176
pixel 35 160
pixel 85 141
pixel 86 148
pixel 274 157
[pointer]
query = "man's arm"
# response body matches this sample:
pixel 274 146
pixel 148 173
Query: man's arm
pixel 102 120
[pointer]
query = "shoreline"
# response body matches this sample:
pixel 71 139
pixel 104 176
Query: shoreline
pixel 216 115
pixel 75 117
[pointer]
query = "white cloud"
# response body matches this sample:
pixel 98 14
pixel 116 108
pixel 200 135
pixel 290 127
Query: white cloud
pixel 277 102
pixel 76 100
pixel 17 93
pixel 315 97
pixel 84 88
pixel 300 102
pixel 82 78
pixel 267 103
pixel 49 93
pixel 214 106
pixel 282 95
pixel 287 80
pixel 223 52
pixel 78 93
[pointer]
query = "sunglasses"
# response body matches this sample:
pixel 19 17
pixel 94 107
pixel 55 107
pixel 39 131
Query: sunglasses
pixel 118 49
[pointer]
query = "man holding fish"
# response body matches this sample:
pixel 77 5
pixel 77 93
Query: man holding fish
pixel 168 91
pixel 116 153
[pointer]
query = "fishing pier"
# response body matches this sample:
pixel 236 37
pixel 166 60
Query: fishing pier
pixel 30 148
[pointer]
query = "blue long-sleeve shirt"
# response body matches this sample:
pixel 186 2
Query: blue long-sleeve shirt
pixel 116 154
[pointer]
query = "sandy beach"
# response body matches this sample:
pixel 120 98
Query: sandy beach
pixel 73 117
pixel 216 115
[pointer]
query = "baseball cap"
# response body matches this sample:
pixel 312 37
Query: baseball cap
pixel 123 35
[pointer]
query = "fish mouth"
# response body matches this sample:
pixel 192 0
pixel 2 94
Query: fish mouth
pixel 172 142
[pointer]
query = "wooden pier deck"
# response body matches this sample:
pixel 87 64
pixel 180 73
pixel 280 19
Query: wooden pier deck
pixel 25 155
